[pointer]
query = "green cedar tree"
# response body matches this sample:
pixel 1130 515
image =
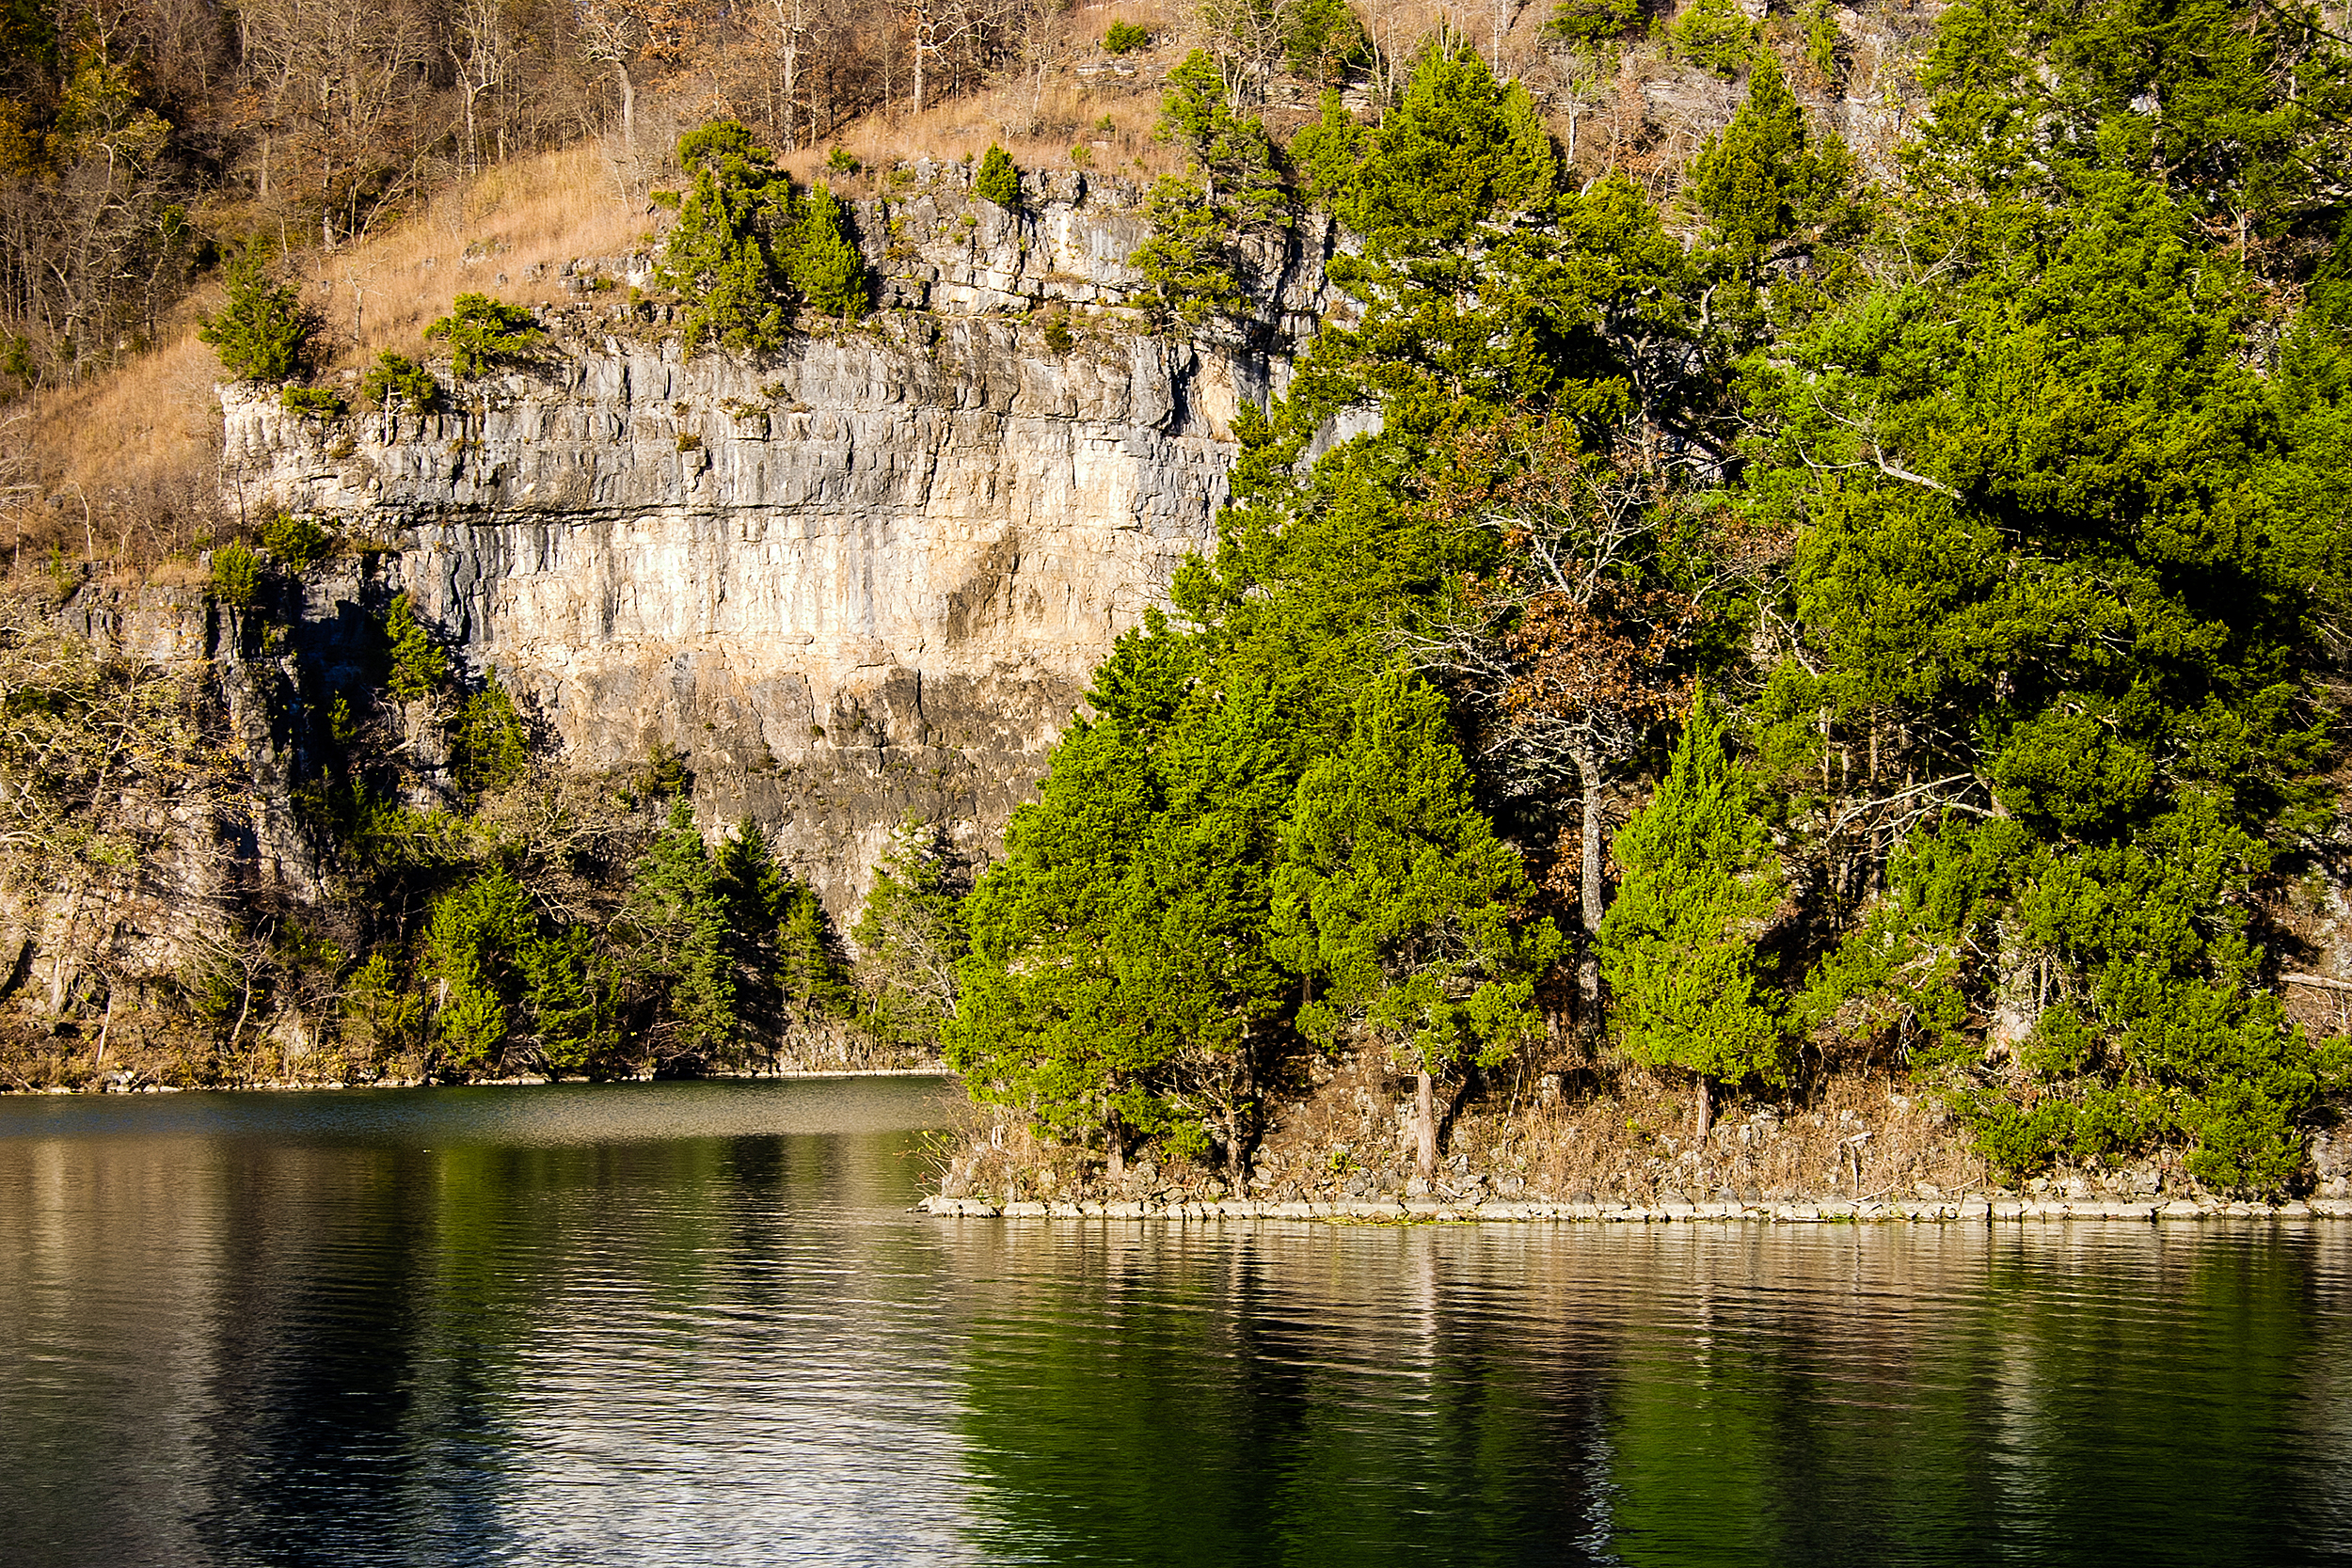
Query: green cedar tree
pixel 1678 947
pixel 1396 892
pixel 261 331
pixel 998 180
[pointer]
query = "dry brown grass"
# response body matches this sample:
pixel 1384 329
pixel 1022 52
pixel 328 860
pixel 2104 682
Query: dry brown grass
pixel 121 468
pixel 121 465
pixel 508 232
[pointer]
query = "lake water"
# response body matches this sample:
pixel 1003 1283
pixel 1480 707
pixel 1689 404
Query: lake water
pixel 697 1323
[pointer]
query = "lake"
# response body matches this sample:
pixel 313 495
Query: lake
pixel 697 1323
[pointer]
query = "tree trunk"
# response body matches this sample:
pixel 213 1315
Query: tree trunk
pixel 629 106
pixel 1706 1108
pixel 1425 1124
pixel 1116 1136
pixel 1590 896
pixel 1588 771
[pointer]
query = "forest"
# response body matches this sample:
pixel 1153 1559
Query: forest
pixel 1782 613
pixel 1950 569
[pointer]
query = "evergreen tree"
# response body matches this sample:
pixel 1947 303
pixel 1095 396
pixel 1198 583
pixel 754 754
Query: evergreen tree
pixel 395 378
pixel 490 748
pixel 1398 895
pixel 1232 185
pixel 1453 203
pixel 1043 1020
pixel 471 944
pixel 677 930
pixel 569 990
pixel 485 334
pixel 998 180
pixel 825 263
pixel 419 668
pixel 1678 947
pixel 1773 193
pixel 789 976
pixel 1765 179
pixel 1328 150
pixel 261 331
pixel 910 935
pixel 1714 35
pixel 723 252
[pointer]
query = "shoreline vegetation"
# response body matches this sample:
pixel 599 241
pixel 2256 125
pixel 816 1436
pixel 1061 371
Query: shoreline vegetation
pixel 1734 664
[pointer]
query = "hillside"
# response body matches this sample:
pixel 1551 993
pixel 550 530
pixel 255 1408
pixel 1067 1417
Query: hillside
pixel 1691 571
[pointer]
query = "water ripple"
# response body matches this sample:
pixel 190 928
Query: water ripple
pixel 685 1323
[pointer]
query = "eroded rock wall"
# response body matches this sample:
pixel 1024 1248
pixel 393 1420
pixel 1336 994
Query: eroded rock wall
pixel 864 576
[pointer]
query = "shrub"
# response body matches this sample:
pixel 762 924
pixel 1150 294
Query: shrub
pixel 1712 35
pixel 299 541
pixel 666 773
pixel 998 181
pixel 824 262
pixel 1591 21
pixel 419 668
pixel 395 377
pixel 841 161
pixel 485 334
pixel 236 576
pixel 261 331
pixel 317 402
pixel 1125 38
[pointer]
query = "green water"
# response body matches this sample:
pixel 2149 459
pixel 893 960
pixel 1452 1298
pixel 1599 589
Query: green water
pixel 686 1323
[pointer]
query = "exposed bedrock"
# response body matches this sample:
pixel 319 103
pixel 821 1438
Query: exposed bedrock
pixel 867 575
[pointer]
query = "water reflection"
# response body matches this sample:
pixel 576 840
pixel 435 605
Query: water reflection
pixel 683 1324
pixel 1670 1395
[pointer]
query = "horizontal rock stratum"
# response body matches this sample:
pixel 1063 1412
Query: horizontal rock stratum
pixel 868 575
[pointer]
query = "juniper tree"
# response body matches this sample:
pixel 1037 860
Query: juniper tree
pixel 1678 947
pixel 1397 894
pixel 261 331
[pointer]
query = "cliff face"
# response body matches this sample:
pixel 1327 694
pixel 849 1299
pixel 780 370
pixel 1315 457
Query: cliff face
pixel 866 575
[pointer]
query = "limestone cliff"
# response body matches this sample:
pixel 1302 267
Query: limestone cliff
pixel 866 575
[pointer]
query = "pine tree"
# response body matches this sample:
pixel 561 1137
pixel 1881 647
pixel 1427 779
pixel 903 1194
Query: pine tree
pixel 825 263
pixel 726 253
pixel 1678 947
pixel 485 334
pixel 1453 203
pixel 1232 184
pixel 490 748
pixel 471 943
pixel 1764 178
pixel 1043 1020
pixel 676 926
pixel 1328 150
pixel 910 934
pixel 787 974
pixel 570 990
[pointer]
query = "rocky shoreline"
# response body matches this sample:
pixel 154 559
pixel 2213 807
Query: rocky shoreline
pixel 1969 1208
